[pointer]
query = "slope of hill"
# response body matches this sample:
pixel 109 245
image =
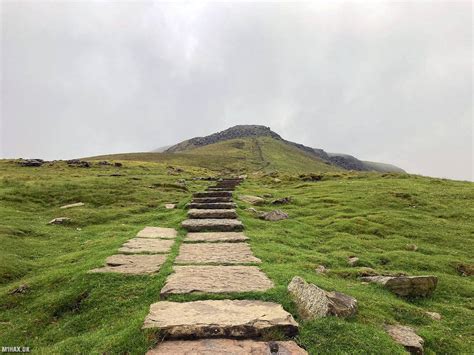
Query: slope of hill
pixel 343 161
pixel 51 303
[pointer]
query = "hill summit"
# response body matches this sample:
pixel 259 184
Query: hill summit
pixel 344 161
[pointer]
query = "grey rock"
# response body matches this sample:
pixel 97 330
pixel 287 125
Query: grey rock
pixel 282 201
pixel 216 253
pixel 276 215
pixel 211 199
pixel 406 286
pixel 213 194
pixel 313 302
pixel 353 260
pixel 72 205
pixel 253 200
pixel 406 337
pixel 157 232
pixel 60 220
pixel 212 237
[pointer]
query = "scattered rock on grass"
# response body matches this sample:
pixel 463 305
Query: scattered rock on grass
pixel 313 302
pixel 466 269
pixel 282 201
pixel 411 247
pixel 353 260
pixel 31 162
pixel 407 337
pixel 321 269
pixel 60 220
pixel 254 200
pixel 20 289
pixel 367 271
pixel 406 286
pixel 79 163
pixel 78 204
pixel 170 206
pixel 276 215
pixel 434 315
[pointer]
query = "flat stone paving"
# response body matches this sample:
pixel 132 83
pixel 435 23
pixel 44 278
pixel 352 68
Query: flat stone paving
pixel 216 279
pixel 211 199
pixel 219 318
pixel 133 264
pixel 213 225
pixel 216 253
pixel 157 232
pixel 146 245
pixel 227 346
pixel 219 213
pixel 212 206
pixel 211 237
pixel 213 194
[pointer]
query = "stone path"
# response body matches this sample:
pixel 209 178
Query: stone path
pixel 215 238
pixel 143 254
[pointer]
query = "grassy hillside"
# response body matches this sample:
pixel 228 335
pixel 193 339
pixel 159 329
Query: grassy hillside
pixel 373 216
pixel 237 156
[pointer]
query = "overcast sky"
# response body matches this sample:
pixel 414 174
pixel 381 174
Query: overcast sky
pixel 383 81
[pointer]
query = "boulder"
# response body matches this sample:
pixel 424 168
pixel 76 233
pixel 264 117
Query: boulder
pixel 60 220
pixel 407 337
pixel 31 162
pixel 313 302
pixel 276 215
pixel 78 204
pixel 406 286
pixel 253 200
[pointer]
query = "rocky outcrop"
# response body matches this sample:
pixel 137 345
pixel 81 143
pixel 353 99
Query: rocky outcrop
pixel 406 286
pixel 313 302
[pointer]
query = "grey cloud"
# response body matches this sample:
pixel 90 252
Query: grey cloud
pixel 383 81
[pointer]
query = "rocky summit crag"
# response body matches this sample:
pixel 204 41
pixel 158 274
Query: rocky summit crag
pixel 344 161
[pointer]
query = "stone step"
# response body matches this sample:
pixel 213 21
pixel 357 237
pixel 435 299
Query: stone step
pixel 219 213
pixel 158 232
pixel 216 279
pixel 211 189
pixel 213 194
pixel 212 225
pixel 215 253
pixel 227 346
pixel 133 264
pixel 211 237
pixel 212 206
pixel 219 318
pixel 211 199
pixel 146 245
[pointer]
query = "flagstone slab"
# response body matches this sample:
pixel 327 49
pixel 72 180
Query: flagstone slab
pixel 204 213
pixel 133 264
pixel 213 188
pixel 146 245
pixel 157 232
pixel 211 199
pixel 215 253
pixel 227 346
pixel 219 318
pixel 213 194
pixel 216 279
pixel 213 225
pixel 212 206
pixel 211 237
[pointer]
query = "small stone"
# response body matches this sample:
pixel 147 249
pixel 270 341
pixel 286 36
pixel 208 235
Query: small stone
pixel 157 232
pixel 211 237
pixel 321 269
pixel 146 245
pixel 353 260
pixel 226 346
pixel 219 318
pixel 276 215
pixel 282 201
pixel 216 279
pixel 406 286
pixel 216 253
pixel 20 289
pixel 411 247
pixel 406 337
pixel 170 206
pixel 277 180
pixel 78 204
pixel 434 315
pixel 253 200
pixel 313 302
pixel 60 220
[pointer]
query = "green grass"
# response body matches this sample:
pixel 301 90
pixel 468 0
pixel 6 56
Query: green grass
pixel 237 156
pixel 372 216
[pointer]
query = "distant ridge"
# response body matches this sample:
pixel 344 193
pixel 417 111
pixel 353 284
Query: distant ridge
pixel 344 161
